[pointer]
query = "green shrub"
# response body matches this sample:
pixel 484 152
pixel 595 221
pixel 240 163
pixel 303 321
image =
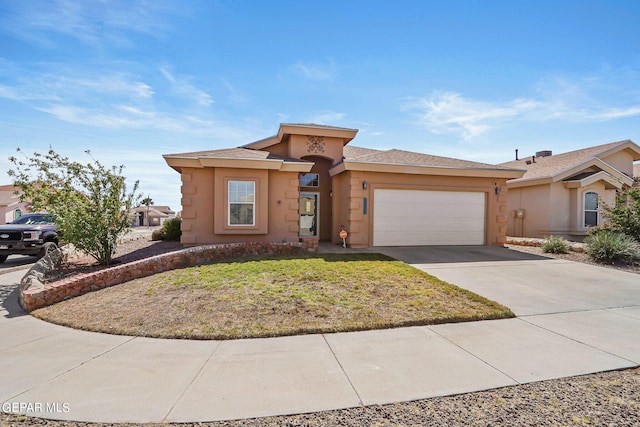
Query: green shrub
pixel 171 229
pixel 624 216
pixel 608 246
pixel 555 245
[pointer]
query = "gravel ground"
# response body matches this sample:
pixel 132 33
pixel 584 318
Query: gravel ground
pixel 578 257
pixel 604 399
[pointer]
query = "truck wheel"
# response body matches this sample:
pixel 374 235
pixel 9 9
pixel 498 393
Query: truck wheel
pixel 46 248
pixel 3 258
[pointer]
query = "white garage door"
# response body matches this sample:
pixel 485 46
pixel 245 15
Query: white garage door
pixel 413 218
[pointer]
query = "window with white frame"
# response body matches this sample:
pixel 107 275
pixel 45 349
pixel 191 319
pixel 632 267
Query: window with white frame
pixel 310 180
pixel 242 201
pixel 590 209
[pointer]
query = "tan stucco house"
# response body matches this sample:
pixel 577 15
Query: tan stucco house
pixel 150 215
pixel 307 182
pixel 11 208
pixel 563 194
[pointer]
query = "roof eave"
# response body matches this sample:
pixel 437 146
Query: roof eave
pixel 354 165
pixel 178 162
pixel 562 175
pixel 600 176
pixel 298 129
pixel 624 145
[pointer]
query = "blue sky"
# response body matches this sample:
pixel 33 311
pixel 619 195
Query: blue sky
pixel 132 80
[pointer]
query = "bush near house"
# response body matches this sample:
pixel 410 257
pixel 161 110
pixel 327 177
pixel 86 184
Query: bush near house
pixel 555 245
pixel 90 201
pixel 624 216
pixel 606 245
pixel 171 229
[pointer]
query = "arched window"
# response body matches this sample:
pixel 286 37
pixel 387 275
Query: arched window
pixel 17 214
pixel 590 209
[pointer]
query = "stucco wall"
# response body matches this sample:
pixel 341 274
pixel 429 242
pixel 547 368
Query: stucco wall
pixel 560 203
pixel 341 193
pixel 327 147
pixel 622 160
pixel 553 210
pixel 535 202
pixel 204 216
pixel 360 226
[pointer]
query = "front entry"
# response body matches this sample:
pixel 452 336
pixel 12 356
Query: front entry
pixel 309 221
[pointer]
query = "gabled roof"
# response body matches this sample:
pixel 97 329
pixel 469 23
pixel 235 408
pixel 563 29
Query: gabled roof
pixel 558 167
pixel 312 129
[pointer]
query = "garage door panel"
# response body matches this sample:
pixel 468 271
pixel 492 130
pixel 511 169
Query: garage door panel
pixel 412 217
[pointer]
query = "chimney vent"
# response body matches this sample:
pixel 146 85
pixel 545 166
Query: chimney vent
pixel 544 153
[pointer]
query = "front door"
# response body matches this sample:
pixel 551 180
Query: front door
pixel 309 224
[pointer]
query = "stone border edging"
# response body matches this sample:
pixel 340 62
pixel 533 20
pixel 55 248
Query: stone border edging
pixel 36 294
pixel 530 241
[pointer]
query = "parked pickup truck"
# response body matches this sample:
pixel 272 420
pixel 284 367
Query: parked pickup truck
pixel 32 234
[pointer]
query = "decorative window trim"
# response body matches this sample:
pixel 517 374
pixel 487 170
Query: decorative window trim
pixel 231 200
pixel 311 182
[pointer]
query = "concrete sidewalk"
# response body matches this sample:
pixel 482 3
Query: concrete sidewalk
pixel 73 375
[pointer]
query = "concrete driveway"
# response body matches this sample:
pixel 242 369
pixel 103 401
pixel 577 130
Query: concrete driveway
pixel 528 284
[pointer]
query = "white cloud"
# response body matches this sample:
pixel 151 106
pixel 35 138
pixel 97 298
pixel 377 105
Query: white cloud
pixel 183 87
pixel 128 117
pixel 618 113
pixel 452 113
pixel 283 118
pixel 580 100
pixel 93 23
pixel 327 117
pixel 115 83
pixel 50 87
pixel 316 72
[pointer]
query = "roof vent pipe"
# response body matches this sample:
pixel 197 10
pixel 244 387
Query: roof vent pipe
pixel 517 154
pixel 533 159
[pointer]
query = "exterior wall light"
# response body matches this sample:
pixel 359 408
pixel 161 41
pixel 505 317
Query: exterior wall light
pixel 364 185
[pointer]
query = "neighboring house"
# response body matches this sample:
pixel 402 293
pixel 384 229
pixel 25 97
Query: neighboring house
pixel 151 215
pixel 11 208
pixel 563 194
pixel 306 182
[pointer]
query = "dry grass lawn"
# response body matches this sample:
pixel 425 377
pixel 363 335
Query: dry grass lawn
pixel 274 297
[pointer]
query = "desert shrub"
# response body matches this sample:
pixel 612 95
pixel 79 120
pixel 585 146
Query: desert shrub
pixel 608 246
pixel 171 229
pixel 555 245
pixel 624 216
